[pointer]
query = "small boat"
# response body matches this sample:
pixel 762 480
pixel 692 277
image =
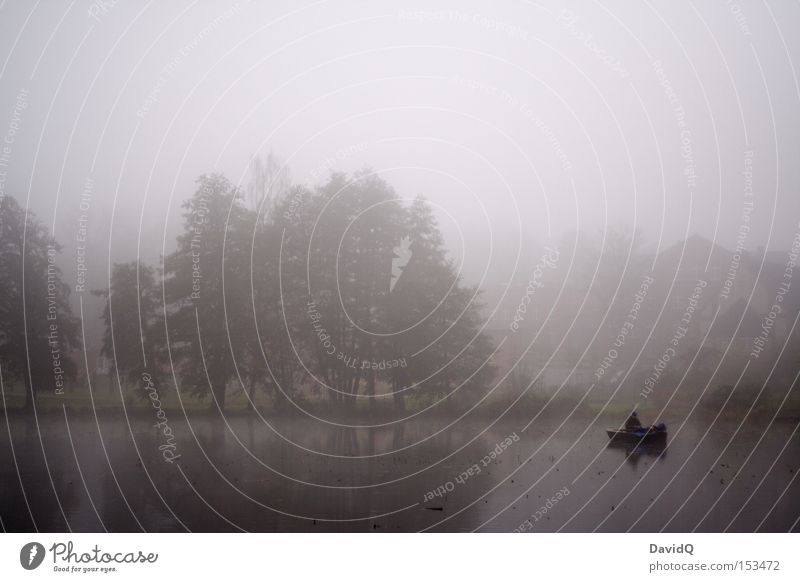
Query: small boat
pixel 652 434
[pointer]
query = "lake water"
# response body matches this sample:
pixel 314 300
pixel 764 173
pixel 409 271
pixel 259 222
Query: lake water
pixel 302 475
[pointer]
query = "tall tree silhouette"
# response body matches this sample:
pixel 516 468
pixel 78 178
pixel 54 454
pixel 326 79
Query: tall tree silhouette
pixel 442 319
pixel 134 335
pixel 37 328
pixel 207 274
pixel 274 345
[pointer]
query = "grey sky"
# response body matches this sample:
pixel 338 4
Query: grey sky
pixel 511 118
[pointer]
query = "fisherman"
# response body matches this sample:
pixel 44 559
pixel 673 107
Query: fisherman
pixel 633 422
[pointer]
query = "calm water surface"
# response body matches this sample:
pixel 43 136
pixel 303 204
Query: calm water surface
pixel 300 475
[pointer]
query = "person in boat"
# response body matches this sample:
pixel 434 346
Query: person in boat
pixel 633 422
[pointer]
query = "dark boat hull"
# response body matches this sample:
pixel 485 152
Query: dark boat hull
pixel 646 436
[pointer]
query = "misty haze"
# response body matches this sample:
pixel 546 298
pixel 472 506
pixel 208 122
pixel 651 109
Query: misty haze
pixel 347 266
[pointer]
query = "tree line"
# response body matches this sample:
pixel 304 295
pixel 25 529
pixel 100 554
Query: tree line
pixel 342 291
